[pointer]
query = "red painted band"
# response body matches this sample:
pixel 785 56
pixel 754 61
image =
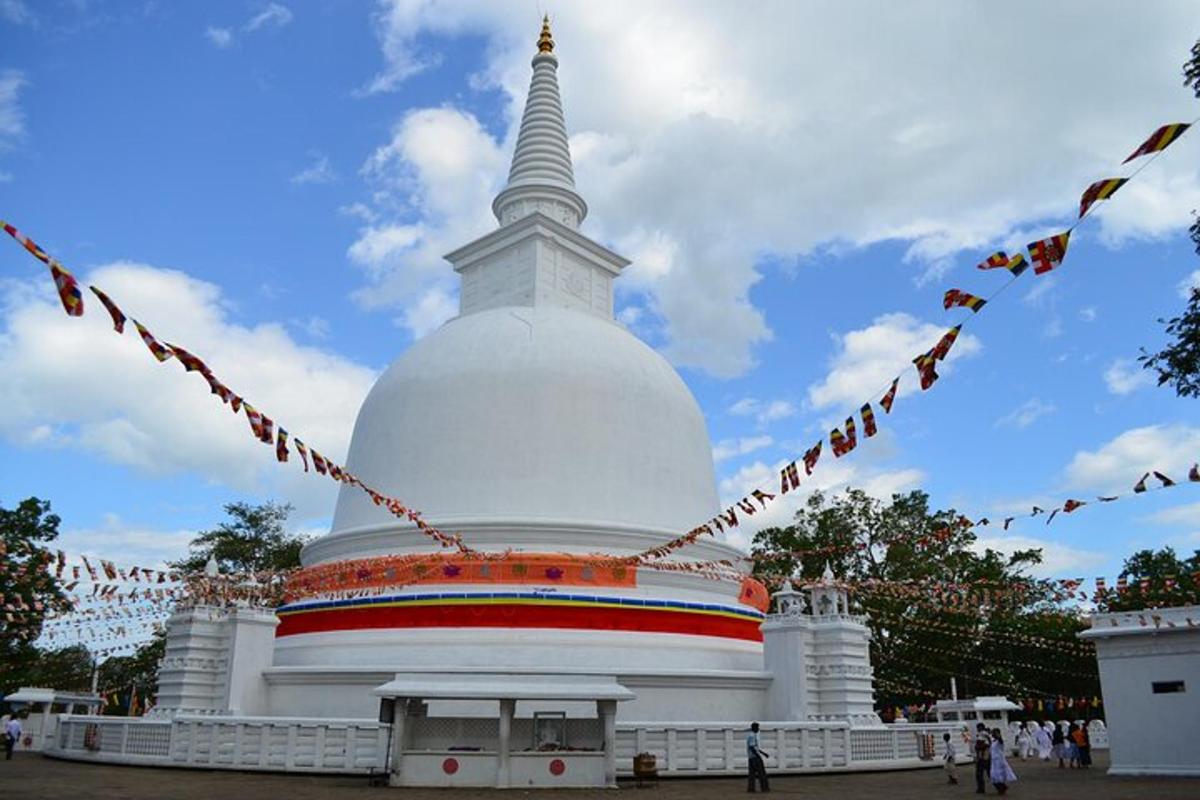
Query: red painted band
pixel 500 615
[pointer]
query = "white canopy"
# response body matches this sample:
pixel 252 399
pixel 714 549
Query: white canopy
pixel 500 686
pixel 40 694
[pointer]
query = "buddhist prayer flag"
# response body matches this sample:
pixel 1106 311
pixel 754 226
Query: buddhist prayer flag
pixel 303 452
pixel 868 418
pixel 925 364
pixel 219 389
pixel 1100 190
pixel 994 261
pixel 118 317
pixel 789 478
pixel 843 444
pixel 890 397
pixel 268 430
pixel 1140 486
pixel 1046 254
pixel 27 243
pixel 68 289
pixel 190 362
pixel 954 297
pixel 319 463
pixel 811 457
pixel 942 348
pixel 1159 140
pixel 1164 479
pixel 1017 264
pixel 160 352
pixel 255 419
pixel 281 451
pixel 1071 505
pixel 1194 473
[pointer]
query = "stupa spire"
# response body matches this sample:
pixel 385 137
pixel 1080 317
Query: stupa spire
pixel 541 178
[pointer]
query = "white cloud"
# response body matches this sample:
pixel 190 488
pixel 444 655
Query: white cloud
pixel 220 37
pixel 1026 414
pixel 1087 314
pixel 865 360
pixel 1123 376
pixel 430 312
pixel 830 476
pixel 273 16
pixel 1186 514
pixel 1116 465
pixel 701 152
pixel 318 171
pixel 1189 283
pixel 316 327
pixel 728 448
pixel 443 162
pixel 1057 559
pixel 86 388
pixel 764 411
pixel 17 13
pixel 126 544
pixel 12 119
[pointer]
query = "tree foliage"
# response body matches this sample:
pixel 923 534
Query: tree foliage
pixel 1156 579
pixel 253 539
pixel 922 639
pixel 139 670
pixel 24 533
pixel 1178 362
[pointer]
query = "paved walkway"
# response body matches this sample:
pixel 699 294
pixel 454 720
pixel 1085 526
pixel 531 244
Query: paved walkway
pixel 31 776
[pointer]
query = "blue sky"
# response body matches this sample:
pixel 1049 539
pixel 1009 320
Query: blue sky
pixel 272 186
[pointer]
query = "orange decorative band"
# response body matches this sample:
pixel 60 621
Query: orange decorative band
pixel 521 610
pixel 514 569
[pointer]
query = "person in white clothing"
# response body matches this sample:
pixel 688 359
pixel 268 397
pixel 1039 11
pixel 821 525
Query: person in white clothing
pixel 1041 739
pixel 1000 772
pixel 12 735
pixel 1024 741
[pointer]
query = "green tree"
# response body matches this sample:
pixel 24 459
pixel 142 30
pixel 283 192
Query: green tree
pixel 253 539
pixel 1178 362
pixel 27 582
pixel 1155 579
pixel 907 566
pixel 138 670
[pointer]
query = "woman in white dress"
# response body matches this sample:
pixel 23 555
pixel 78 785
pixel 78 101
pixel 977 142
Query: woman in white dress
pixel 1001 773
pixel 1024 741
pixel 1041 738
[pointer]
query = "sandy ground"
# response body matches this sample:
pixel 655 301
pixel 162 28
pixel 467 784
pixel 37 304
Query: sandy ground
pixel 32 776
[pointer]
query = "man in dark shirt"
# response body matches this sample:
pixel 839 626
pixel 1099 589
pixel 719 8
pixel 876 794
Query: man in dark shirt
pixel 983 757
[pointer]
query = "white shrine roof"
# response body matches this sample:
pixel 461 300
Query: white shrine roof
pixel 39 694
pixel 502 686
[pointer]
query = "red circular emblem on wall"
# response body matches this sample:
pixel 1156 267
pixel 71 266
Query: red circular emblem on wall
pixel 557 767
pixel 450 766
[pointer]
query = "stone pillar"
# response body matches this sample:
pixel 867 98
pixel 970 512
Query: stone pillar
pixel 399 716
pixel 787 636
pixel 192 674
pixel 508 709
pixel 607 711
pixel 251 649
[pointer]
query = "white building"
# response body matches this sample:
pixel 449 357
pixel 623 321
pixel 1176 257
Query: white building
pixel 1150 678
pixel 533 423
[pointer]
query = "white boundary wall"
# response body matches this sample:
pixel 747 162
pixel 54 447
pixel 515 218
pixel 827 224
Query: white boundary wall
pixel 359 746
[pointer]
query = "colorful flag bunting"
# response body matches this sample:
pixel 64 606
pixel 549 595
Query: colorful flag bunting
pixel 994 261
pixel 955 297
pixel 68 289
pixel 789 478
pixel 1140 486
pixel 190 362
pixel 1100 190
pixel 159 352
pixel 281 451
pixel 868 418
pixel 118 317
pixel 1017 264
pixel 319 463
pixel 843 444
pixel 303 452
pixel 811 457
pixel 1071 505
pixel 268 430
pixel 890 397
pixel 942 348
pixel 1046 254
pixel 925 364
pixel 255 419
pixel 1159 140
pixel 26 242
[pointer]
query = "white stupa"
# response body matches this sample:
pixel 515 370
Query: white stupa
pixel 536 426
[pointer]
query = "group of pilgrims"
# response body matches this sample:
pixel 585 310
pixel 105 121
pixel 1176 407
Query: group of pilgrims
pixel 1045 741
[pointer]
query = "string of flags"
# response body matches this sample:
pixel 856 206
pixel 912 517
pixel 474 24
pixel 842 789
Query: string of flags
pixel 1045 255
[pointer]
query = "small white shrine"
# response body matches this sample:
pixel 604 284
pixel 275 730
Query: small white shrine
pixel 1150 679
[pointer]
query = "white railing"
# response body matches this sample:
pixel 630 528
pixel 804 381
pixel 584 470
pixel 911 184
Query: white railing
pixel 360 746
pixel 249 743
pixel 694 749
